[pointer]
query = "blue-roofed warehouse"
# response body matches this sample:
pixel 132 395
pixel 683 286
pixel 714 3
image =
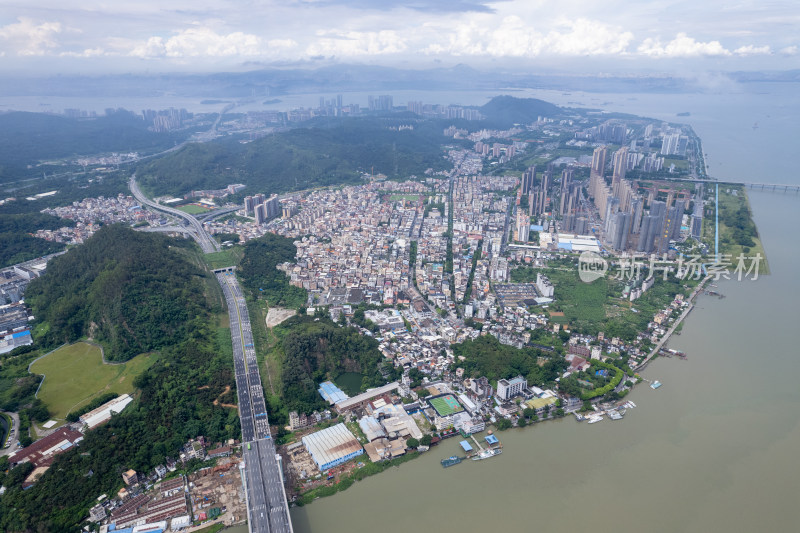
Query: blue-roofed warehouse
pixel 491 440
pixel 466 446
pixel 331 392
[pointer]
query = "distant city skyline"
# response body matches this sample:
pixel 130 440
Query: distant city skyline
pixel 670 36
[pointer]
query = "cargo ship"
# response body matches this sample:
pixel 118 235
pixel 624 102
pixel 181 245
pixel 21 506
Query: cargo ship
pixel 452 460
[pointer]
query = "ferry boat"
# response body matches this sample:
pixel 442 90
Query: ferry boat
pixel 656 384
pixel 450 461
pixel 489 452
pixel 594 418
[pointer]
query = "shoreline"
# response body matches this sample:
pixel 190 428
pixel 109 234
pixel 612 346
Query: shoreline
pixel 668 335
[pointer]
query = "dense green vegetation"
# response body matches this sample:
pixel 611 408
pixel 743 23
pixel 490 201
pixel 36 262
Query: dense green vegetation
pixel 260 275
pixel 126 289
pixel 18 243
pixel 603 384
pixel 299 159
pixel 175 396
pixel 30 222
pixel 737 231
pixel 19 247
pixel 590 308
pixel 69 188
pixel 20 218
pixel 175 403
pixel 28 138
pixel 486 356
pixel 316 350
pixel 505 111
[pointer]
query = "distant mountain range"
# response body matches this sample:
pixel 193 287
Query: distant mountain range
pixel 271 82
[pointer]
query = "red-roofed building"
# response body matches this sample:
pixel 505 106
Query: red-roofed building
pixel 41 452
pixel 576 363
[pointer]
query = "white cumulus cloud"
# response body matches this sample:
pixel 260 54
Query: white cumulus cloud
pixel 514 37
pixel 751 50
pixel 682 46
pixel 27 38
pixel 205 42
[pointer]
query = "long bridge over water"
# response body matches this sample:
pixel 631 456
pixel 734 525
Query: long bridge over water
pixel 778 187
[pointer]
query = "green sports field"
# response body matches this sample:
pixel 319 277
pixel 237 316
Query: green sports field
pixel 75 374
pixel 193 209
pixel 446 405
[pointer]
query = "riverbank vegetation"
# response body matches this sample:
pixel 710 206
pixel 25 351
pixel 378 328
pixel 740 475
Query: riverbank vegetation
pixel 737 230
pixel 600 306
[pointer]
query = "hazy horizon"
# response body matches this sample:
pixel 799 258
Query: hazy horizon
pixel 90 37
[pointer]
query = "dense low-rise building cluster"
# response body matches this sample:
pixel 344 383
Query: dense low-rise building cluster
pixel 92 213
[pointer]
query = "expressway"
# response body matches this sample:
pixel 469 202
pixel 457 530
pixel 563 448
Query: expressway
pixel 206 242
pixel 268 510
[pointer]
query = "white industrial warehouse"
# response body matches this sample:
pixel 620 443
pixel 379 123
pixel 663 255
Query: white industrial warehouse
pixel 332 446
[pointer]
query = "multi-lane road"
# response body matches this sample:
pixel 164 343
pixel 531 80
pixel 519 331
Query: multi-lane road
pixel 267 508
pixel 266 500
pixel 206 242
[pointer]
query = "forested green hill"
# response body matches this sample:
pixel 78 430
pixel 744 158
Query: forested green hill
pixel 298 159
pixel 124 288
pixel 486 356
pixel 175 403
pixel 260 275
pixel 505 111
pixel 28 138
pixel 318 350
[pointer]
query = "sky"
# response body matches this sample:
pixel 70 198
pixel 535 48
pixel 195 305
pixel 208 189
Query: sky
pixel 91 36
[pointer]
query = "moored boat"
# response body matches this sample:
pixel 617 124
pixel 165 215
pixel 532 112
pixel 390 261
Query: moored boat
pixel 489 452
pixel 450 461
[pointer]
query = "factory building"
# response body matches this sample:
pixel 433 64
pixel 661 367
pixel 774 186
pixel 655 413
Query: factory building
pixel 332 446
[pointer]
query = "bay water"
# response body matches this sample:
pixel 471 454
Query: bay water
pixel 714 449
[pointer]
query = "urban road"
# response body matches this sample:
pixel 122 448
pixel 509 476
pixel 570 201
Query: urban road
pixel 267 508
pixel 206 242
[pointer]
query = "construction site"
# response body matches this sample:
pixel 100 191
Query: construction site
pixel 216 493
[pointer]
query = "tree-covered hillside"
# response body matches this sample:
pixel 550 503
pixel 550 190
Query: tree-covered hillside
pixel 485 356
pixel 28 138
pixel 318 350
pixel 301 158
pixel 18 243
pixel 124 288
pixel 260 275
pixel 175 402
pixel 505 111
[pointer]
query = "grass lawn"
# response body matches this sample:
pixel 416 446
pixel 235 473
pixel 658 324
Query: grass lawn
pixel 75 374
pixel 225 258
pixel 193 209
